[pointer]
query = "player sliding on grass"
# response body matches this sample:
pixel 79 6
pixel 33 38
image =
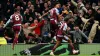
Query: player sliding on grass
pixel 61 34
pixel 16 19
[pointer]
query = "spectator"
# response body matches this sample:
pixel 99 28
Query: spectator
pixel 37 30
pixel 26 15
pixel 94 33
pixel 8 10
pixel 87 5
pixel 1 28
pixel 49 4
pixel 88 25
pixel 30 36
pixel 9 35
pixel 80 6
pixel 78 35
pixel 90 13
pixel 46 32
pixel 2 39
pixel 46 9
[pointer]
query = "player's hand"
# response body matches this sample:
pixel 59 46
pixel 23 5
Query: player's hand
pixel 89 41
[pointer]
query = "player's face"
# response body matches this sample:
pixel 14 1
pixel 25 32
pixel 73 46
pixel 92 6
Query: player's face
pixel 58 5
pixel 18 7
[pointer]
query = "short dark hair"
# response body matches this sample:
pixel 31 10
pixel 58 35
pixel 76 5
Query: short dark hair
pixel 15 10
pixel 66 5
pixel 55 4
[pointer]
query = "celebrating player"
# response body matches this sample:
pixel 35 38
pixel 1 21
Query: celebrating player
pixel 54 15
pixel 61 34
pixel 16 19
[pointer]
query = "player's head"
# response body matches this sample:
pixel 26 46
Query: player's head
pixel 15 10
pixel 65 6
pixel 57 5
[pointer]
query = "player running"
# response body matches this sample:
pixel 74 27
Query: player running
pixel 61 34
pixel 16 19
pixel 54 15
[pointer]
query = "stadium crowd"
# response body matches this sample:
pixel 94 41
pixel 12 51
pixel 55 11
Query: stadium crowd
pixel 83 17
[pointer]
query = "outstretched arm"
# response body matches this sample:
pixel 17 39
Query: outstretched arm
pixel 74 3
pixel 93 32
pixel 83 19
pixel 8 22
pixel 84 9
pixel 83 34
pixel 44 14
pixel 32 28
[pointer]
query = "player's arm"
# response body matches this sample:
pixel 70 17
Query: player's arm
pixel 8 22
pixel 64 30
pixel 44 14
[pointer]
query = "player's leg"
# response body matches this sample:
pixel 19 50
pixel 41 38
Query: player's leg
pixel 17 30
pixel 71 44
pixel 15 40
pixel 59 39
pixel 53 26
